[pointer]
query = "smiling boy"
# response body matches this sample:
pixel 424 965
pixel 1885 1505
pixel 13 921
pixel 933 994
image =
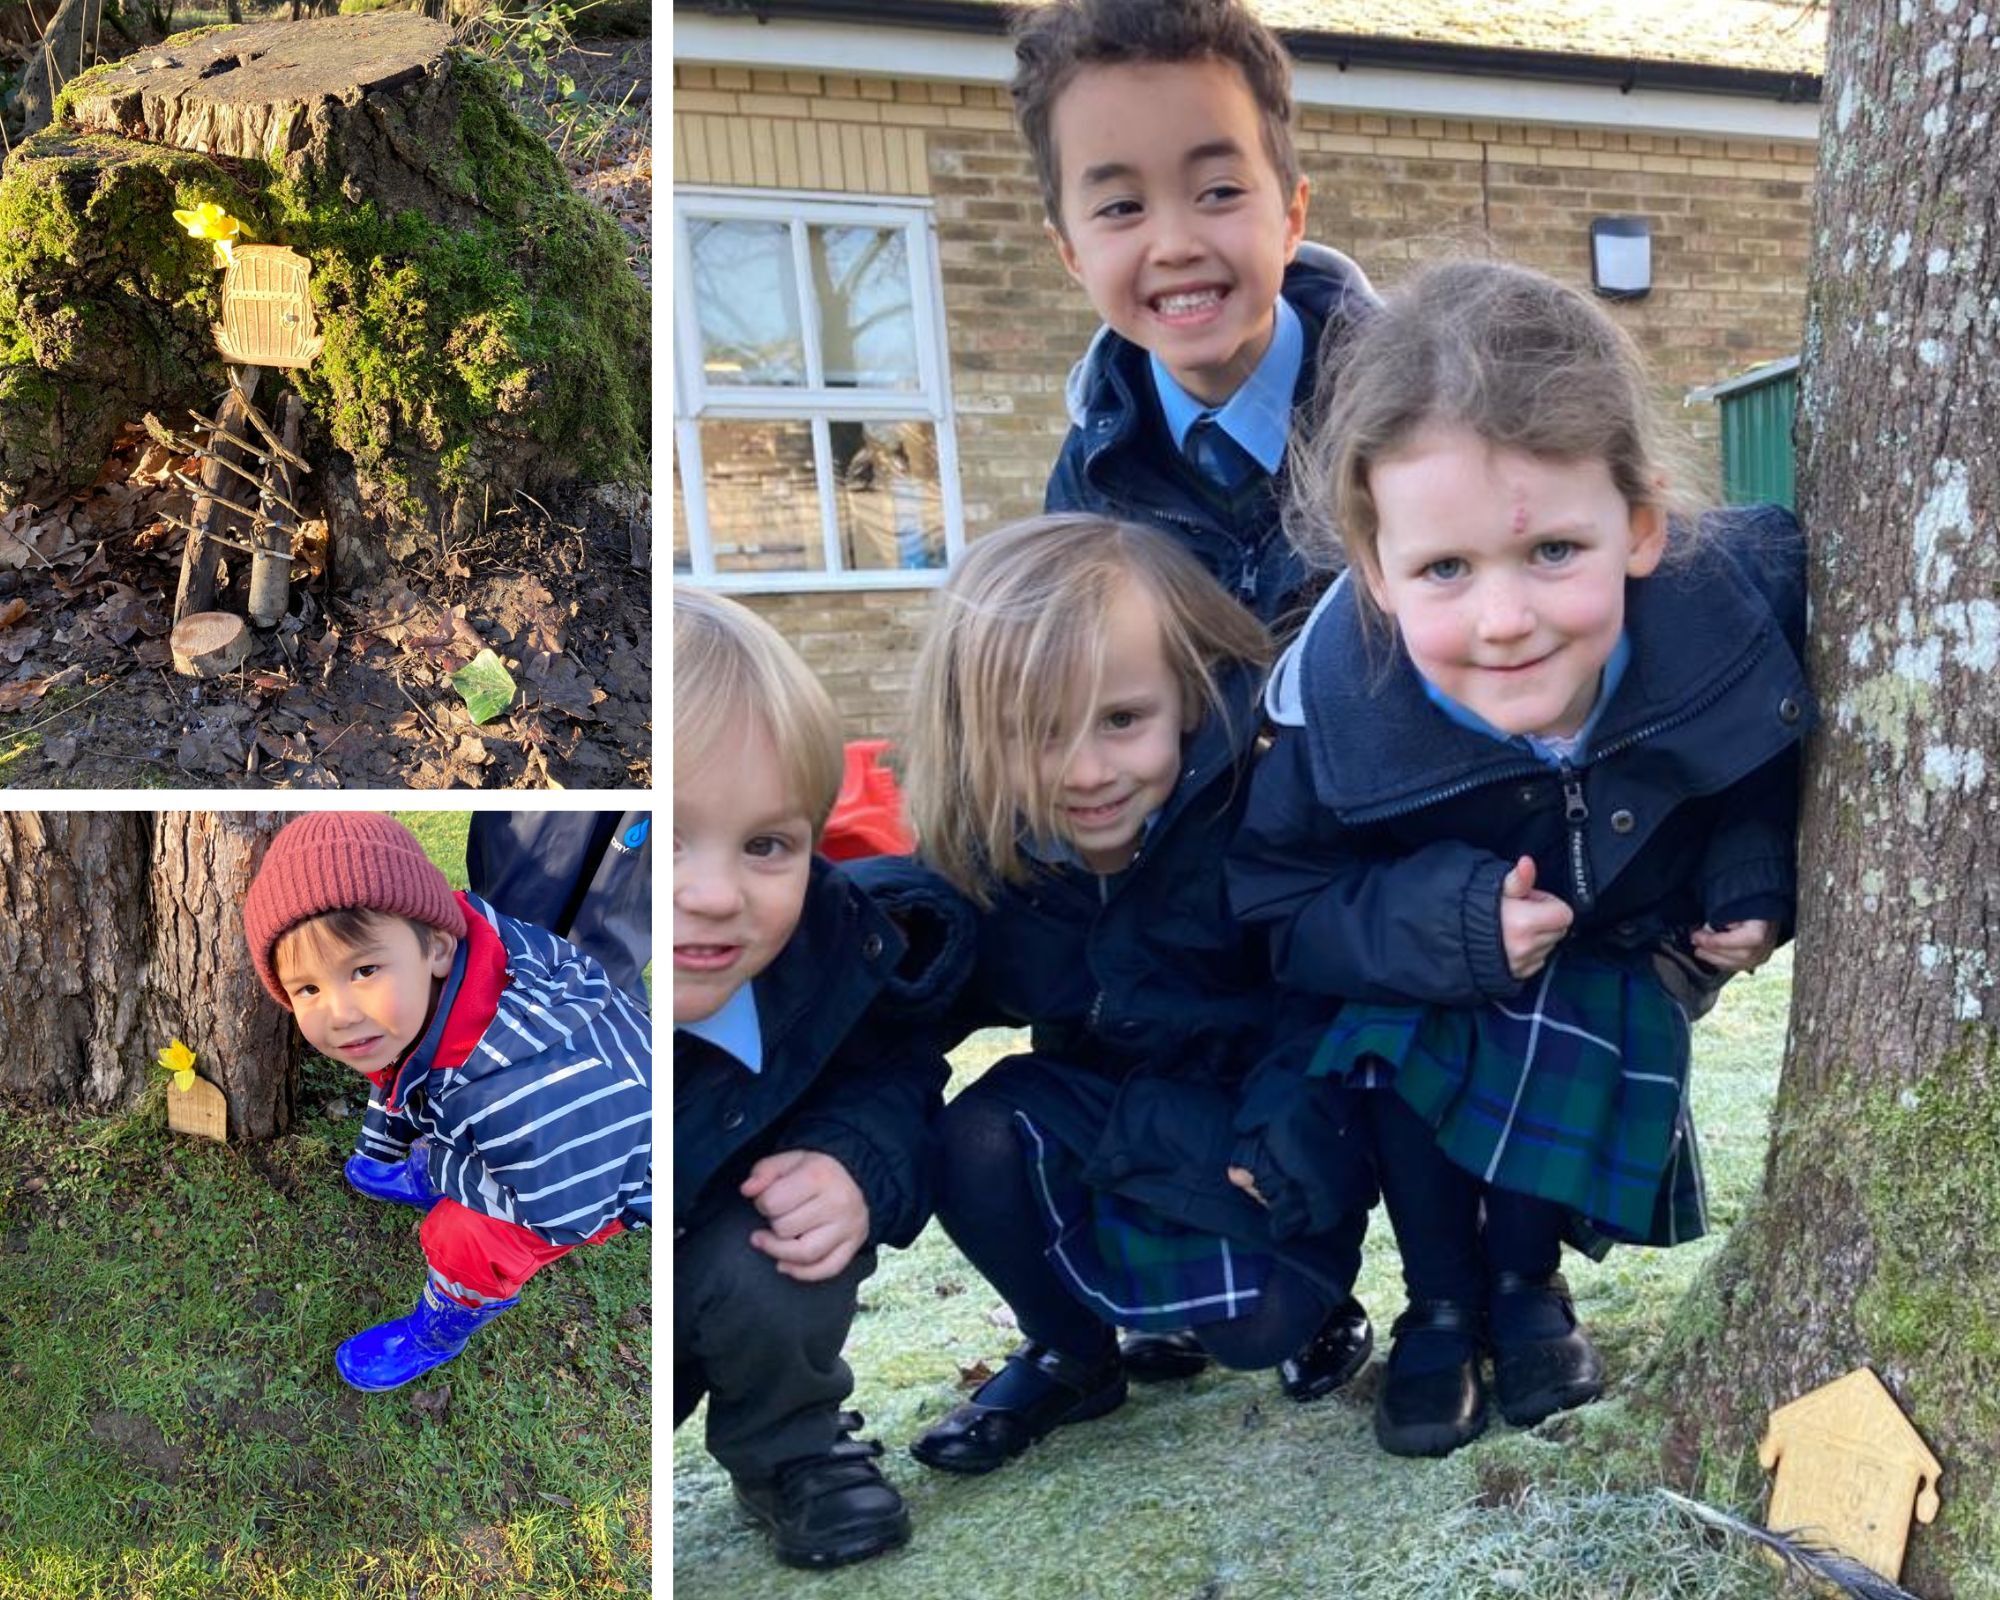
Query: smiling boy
pixel 1160 131
pixel 510 1080
pixel 1161 137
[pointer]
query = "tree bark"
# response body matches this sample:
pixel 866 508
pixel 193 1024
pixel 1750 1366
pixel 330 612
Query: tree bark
pixel 1877 1237
pixel 74 939
pixel 201 986
pixel 123 931
pixel 58 58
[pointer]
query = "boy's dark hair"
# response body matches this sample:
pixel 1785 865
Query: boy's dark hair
pixel 1054 42
pixel 350 925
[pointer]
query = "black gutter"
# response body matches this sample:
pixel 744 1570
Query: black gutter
pixel 1340 50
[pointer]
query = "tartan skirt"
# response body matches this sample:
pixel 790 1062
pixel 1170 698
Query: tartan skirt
pixel 1576 1092
pixel 1132 1263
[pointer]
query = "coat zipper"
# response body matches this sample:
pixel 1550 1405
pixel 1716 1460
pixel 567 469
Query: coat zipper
pixel 1576 819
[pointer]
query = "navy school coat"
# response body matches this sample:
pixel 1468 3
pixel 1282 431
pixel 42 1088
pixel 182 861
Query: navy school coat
pixel 1118 459
pixel 849 1069
pixel 1144 980
pixel 1378 830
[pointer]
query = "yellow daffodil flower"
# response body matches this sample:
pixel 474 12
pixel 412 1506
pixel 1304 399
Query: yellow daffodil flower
pixel 178 1059
pixel 209 221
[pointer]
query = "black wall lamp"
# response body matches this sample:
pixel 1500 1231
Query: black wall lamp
pixel 1621 257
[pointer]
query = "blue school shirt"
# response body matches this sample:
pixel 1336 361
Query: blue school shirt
pixel 1259 415
pixel 734 1029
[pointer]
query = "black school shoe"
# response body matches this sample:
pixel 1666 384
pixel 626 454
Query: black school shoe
pixel 828 1510
pixel 1163 1357
pixel 1538 1371
pixel 1432 1413
pixel 976 1437
pixel 1332 1356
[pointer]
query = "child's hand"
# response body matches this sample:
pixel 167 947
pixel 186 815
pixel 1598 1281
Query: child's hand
pixel 817 1215
pixel 1736 946
pixel 1532 921
pixel 1240 1176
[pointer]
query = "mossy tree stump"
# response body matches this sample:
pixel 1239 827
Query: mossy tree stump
pixel 484 332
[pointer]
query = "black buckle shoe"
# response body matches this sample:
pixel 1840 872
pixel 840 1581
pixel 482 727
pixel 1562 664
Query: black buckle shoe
pixel 1432 1413
pixel 1330 1357
pixel 828 1510
pixel 1533 1379
pixel 976 1437
pixel 1162 1357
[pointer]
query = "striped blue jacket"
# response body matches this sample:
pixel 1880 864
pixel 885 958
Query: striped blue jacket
pixel 534 1084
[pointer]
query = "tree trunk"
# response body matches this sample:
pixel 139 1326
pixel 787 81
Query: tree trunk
pixel 123 931
pixel 74 941
pixel 1877 1238
pixel 58 58
pixel 202 987
pixel 483 330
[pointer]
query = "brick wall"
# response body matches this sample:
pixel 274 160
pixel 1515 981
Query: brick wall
pixel 1730 228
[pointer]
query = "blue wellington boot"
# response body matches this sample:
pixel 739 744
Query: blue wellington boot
pixel 392 1353
pixel 403 1183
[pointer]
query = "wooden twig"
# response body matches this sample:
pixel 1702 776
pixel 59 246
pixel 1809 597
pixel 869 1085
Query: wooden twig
pixel 218 431
pixel 271 439
pixel 62 711
pixel 186 482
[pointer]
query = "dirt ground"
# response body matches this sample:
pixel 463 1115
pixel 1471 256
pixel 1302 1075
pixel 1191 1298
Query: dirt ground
pixel 352 689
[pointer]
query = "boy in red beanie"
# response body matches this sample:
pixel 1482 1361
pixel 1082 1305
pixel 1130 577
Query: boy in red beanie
pixel 512 1080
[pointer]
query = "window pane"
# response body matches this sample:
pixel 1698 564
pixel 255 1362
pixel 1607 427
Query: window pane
pixel 746 301
pixel 890 504
pixel 763 500
pixel 683 559
pixel 868 334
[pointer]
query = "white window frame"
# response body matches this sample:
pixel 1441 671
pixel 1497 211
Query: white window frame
pixel 697 401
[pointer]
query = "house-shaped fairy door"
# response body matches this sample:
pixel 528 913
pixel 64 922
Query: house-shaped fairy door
pixel 267 316
pixel 1850 1467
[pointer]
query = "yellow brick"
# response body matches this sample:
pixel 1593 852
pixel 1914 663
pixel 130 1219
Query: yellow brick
pixel 853 160
pixel 1611 160
pixel 1770 170
pixel 705 100
pixel 895 155
pixel 1455 150
pixel 763 153
pixel 833 170
pixel 693 78
pixel 731 78
pixel 803 82
pixel 920 161
pixel 785 142
pixel 978 117
pixel 720 169
pixel 903 116
pixel 773 105
pixel 1715 169
pixel 874 159
pixel 742 164
pixel 690 151
pixel 1394 146
pixel 878 89
pixel 946 94
pixel 1347 144
pixel 811 174
pixel 1429 128
pixel 839 87
pixel 846 111
pixel 1557 156
pixel 767 82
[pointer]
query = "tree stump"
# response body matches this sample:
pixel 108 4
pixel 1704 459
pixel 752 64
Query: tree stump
pixel 484 332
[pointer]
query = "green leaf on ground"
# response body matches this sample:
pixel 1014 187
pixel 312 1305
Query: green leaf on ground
pixel 484 685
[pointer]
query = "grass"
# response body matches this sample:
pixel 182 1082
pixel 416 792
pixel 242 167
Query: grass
pixel 1221 1489
pixel 171 1426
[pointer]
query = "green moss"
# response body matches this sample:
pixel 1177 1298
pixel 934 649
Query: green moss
pixel 527 320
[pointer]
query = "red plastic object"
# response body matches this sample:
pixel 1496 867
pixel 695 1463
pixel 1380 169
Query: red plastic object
pixel 867 819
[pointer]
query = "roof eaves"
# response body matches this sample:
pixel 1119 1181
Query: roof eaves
pixel 1340 50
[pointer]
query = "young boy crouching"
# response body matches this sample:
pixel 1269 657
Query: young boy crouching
pixel 511 1094
pixel 801 1093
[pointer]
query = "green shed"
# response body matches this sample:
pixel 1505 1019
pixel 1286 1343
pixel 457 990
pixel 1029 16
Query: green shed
pixel 1757 411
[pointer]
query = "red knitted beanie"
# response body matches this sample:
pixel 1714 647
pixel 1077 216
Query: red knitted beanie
pixel 341 861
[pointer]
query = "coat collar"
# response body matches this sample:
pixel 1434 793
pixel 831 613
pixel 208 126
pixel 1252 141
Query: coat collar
pixel 814 982
pixel 1380 747
pixel 466 1005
